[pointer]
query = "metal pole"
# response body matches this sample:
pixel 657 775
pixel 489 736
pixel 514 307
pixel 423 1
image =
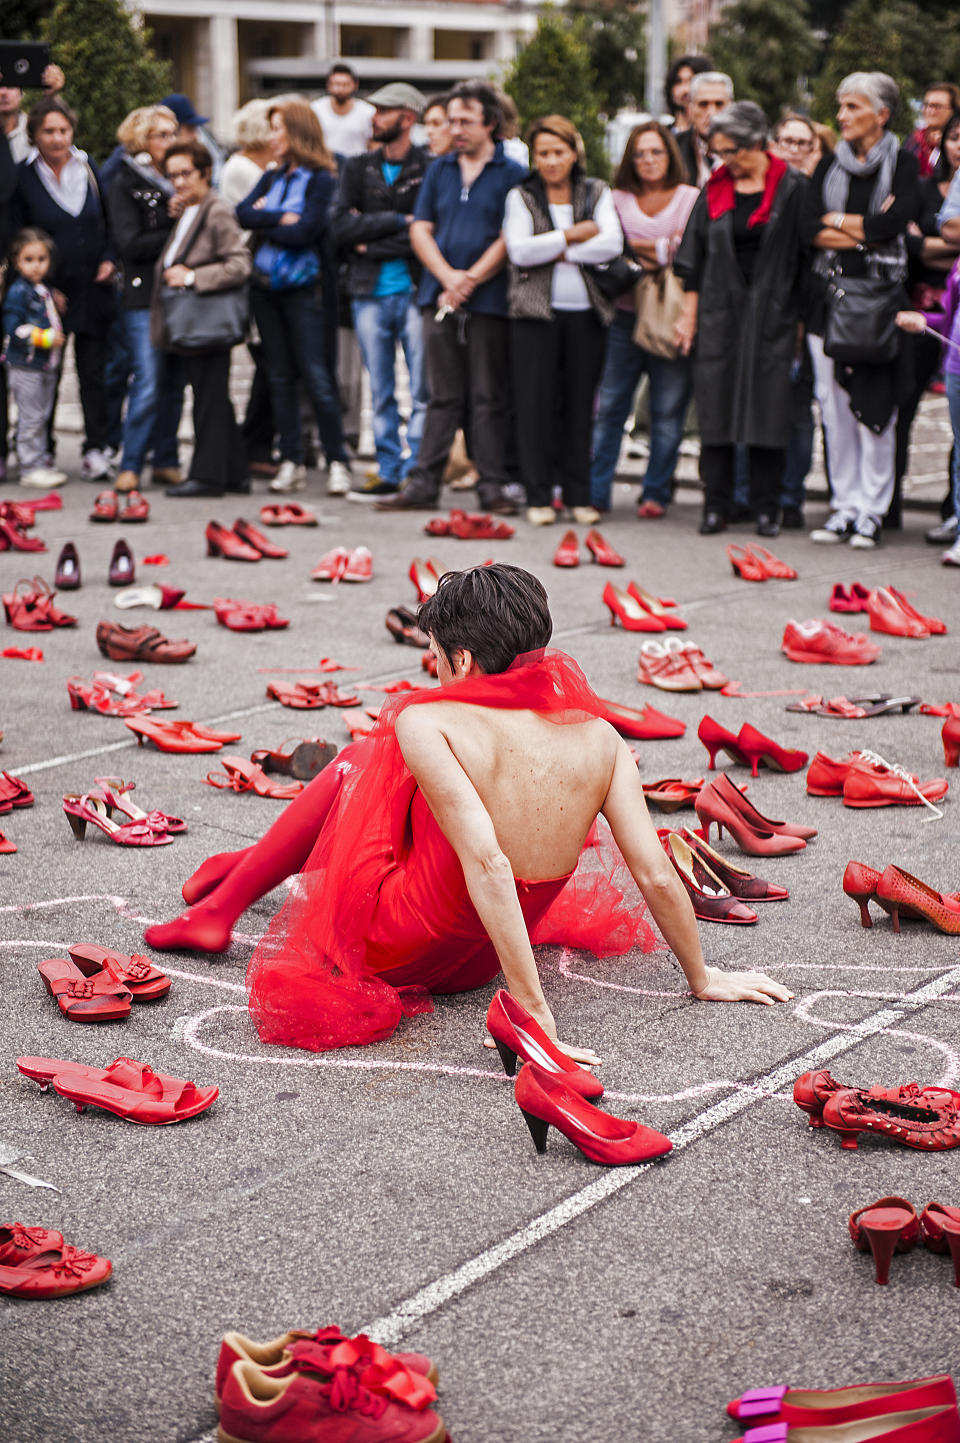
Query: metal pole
pixel 656 55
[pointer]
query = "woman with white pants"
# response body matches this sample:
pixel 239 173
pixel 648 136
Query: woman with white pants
pixel 861 201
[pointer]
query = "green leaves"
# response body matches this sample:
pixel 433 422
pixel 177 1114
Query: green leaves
pixel 553 75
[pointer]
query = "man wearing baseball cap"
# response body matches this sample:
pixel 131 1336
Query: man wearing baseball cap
pixel 370 222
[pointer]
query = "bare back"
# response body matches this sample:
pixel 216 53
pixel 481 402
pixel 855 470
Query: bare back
pixel 542 783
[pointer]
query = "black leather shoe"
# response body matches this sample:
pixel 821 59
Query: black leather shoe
pixel 407 499
pixel 791 519
pixel 767 526
pixel 240 488
pixel 192 488
pixel 712 522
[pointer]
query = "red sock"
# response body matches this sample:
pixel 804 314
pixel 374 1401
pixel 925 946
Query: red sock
pixel 281 852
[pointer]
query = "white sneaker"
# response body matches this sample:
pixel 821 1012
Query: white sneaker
pixel 339 479
pixel 95 466
pixel 834 530
pixel 866 534
pixel 43 477
pixel 541 515
pixel 952 557
pixel 291 477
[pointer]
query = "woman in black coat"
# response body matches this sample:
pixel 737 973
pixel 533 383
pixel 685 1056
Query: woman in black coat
pixel 58 191
pixel 740 263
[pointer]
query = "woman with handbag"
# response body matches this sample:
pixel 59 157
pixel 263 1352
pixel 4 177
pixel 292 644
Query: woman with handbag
pixel 557 225
pixel 740 263
pixel 199 310
pixel 858 208
pixel 58 192
pixel 287 211
pixel 653 203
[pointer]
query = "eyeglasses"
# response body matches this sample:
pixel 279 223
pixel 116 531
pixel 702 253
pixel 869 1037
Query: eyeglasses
pixel 726 152
pixel 658 154
pixel 162 135
pixel 790 143
pixel 174 175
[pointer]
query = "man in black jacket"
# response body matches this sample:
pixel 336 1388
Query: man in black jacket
pixel 371 228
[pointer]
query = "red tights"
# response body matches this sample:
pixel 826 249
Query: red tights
pixel 225 885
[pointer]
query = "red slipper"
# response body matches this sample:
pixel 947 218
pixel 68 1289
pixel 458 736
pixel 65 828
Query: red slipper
pixel 137 973
pixel 84 999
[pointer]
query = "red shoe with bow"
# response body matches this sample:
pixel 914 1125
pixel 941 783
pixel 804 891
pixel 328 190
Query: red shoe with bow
pixel 917 1124
pixel 815 1407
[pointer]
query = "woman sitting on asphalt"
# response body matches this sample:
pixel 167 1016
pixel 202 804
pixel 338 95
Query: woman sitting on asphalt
pixel 412 843
pixel 654 205
pixel 740 263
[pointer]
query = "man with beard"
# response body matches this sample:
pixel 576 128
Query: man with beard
pixel 371 228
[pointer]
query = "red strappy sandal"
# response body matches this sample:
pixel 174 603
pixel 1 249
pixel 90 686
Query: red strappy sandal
pixel 747 566
pixel 129 1089
pixel 84 999
pixel 306 761
pixel 142 980
pixel 772 566
pixel 13 537
pixel 91 808
pixel 14 792
pixel 241 775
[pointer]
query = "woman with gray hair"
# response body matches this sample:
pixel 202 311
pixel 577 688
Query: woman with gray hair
pixel 740 264
pixel 859 205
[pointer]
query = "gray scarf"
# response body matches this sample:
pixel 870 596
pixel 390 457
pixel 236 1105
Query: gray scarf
pixel 889 259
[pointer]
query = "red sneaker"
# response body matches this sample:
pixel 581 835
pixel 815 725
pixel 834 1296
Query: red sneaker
pixel 820 641
pixel 276 1358
pixel 258 1408
pixel 873 782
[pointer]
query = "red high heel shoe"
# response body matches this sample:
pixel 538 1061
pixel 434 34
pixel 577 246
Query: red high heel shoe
pixel 712 901
pixel 753 833
pixel 757 748
pixel 114 791
pixel 240 775
pixel 737 880
pixel 544 1098
pixel 656 608
pixel 568 552
pixel 630 614
pixel 934 625
pixel 221 542
pixel 887 1226
pixel 93 809
pixel 745 564
pixel 424 577
pixel 815 1407
pixel 601 550
pixel 249 534
pixel 860 883
pixel 773 568
pixel 121 571
pixel 67 575
pixel 717 739
pixel 898 891
pixel 950 736
pixel 923 1122
pixel 940 1229
pixel 13 537
pixel 168 736
pixel 812 1091
pixel 517 1034
pixel 889 617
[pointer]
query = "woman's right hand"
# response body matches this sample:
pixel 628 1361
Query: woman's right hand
pixel 684 334
pixel 583 230
pixel 911 321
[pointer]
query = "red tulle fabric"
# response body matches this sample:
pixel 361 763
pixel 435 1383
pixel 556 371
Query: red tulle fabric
pixel 380 916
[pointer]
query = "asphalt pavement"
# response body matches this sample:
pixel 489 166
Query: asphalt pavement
pixel 395 1186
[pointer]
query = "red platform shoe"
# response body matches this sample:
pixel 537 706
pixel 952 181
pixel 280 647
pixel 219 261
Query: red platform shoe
pixel 887 1226
pixel 545 1099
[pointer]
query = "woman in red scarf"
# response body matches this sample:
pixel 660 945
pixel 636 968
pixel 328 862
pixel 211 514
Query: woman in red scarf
pixel 740 263
pixel 465 828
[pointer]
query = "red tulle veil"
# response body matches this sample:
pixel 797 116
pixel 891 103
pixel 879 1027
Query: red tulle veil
pixel 310 982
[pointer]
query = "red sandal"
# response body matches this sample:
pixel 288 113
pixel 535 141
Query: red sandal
pixel 142 980
pixel 240 775
pixel 84 999
pixel 91 808
pixel 129 1089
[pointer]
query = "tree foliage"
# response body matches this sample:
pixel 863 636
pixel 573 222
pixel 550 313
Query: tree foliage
pixel 552 75
pixel 615 37
pixel 23 19
pixel 109 66
pixel 914 43
pixel 768 50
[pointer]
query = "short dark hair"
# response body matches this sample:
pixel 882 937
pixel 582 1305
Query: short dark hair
pixel 484 95
pixel 442 99
pixel 942 169
pixel 194 150
pixel 496 612
pixel 342 68
pixel 697 64
pixel 49 105
pixel 626 176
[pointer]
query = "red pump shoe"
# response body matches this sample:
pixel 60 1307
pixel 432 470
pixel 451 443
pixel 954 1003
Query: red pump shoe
pixel 758 749
pixel 917 1124
pixel 221 542
pixel 601 550
pixel 721 803
pixel 250 536
pixel 882 1228
pixel 545 1099
pixel 716 738
pixel 518 1034
pixel 899 892
pixel 739 882
pixel 950 736
pixel 652 604
pixel 813 1407
pixel 940 1230
pixel 712 901
pixel 568 552
pixel 630 613
pixel 812 1091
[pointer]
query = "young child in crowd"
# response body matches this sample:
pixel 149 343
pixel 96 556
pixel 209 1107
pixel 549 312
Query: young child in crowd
pixel 946 324
pixel 32 346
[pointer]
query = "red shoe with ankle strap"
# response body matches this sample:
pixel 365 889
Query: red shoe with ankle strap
pixel 258 1408
pixel 887 1226
pixel 815 1407
pixel 376 1369
pixel 518 1034
pixel 773 568
pixel 812 1091
pixel 940 1230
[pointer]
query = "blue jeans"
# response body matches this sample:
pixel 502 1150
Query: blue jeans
pixel 381 323
pixel 295 346
pixel 141 391
pixel 670 388
pixel 952 385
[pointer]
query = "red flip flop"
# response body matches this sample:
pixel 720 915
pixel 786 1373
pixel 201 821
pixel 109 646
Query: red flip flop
pixel 129 1089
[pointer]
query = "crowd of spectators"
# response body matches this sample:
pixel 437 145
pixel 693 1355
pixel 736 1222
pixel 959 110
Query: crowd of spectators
pixel 742 266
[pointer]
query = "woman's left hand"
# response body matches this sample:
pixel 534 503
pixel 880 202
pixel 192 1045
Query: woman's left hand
pixel 176 276
pixel 289 217
pixel 106 271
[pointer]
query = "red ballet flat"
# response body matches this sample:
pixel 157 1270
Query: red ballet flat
pixel 518 1034
pixel 105 507
pixel 671 793
pixel 289 513
pixel 887 1226
pixel 84 999
pixel 66 577
pixel 51 1270
pixel 249 534
pixel 546 1099
pixel 137 508
pixel 646 725
pixel 940 1230
pixel 816 1407
pixel 601 550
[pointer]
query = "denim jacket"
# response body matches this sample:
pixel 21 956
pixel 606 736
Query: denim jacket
pixel 30 320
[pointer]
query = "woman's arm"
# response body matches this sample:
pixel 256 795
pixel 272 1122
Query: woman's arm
pixel 523 247
pixel 131 241
pixel 465 822
pixel 305 230
pixel 625 809
pixel 607 243
pixel 234 262
pixel 247 213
